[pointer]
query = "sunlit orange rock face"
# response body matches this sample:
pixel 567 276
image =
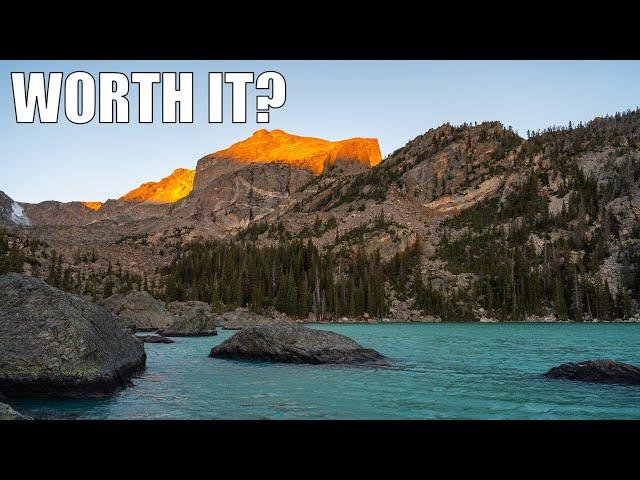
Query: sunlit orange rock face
pixel 168 190
pixel 92 205
pixel 311 153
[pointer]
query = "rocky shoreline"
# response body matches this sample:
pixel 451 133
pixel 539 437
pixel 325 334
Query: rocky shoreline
pixel 431 320
pixel 59 344
pixel 62 345
pixel 8 413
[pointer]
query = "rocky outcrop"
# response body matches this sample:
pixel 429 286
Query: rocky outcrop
pixel 139 310
pixel 182 308
pixel 192 323
pixel 155 339
pixel 242 318
pixel 597 371
pixel 8 413
pixel 293 344
pixel 228 195
pixel 314 154
pixel 92 205
pixel 168 190
pixel 450 172
pixel 149 200
pixel 57 344
pixel 60 213
pixel 12 213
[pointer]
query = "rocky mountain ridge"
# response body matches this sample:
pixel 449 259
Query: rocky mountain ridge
pixel 244 181
pixel 559 206
pixel 314 154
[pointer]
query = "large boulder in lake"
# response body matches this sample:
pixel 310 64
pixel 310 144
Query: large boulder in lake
pixel 293 344
pixel 139 311
pixel 242 318
pixel 598 371
pixel 8 413
pixel 181 308
pixel 193 319
pixel 53 343
pixel 193 324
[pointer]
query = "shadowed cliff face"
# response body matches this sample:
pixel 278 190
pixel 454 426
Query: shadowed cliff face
pixel 310 153
pixel 259 177
pixel 230 195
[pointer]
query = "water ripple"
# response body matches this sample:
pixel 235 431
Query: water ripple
pixel 434 371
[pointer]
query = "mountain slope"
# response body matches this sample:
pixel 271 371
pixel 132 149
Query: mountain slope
pixel 248 180
pixel 168 190
pixel 12 213
pixel 464 222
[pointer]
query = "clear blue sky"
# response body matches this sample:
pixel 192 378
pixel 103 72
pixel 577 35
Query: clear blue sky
pixel 393 101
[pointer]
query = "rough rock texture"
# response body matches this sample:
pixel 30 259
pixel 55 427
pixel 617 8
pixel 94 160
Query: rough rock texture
pixel 425 190
pixel 139 310
pixel 11 213
pixel 467 174
pixel 182 308
pixel 60 213
pixel 194 323
pixel 313 154
pixel 155 339
pixel 227 194
pixel 8 413
pixel 242 318
pixel 293 344
pixel 168 190
pixel 57 344
pixel 92 205
pixel 599 371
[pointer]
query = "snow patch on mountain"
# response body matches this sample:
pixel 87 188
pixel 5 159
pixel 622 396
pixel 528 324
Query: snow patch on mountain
pixel 17 214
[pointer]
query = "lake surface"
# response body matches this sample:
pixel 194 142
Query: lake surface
pixel 437 371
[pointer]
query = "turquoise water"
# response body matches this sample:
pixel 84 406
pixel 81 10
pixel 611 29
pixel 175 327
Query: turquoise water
pixel 437 371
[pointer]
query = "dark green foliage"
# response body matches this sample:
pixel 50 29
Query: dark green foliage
pixel 526 201
pixel 11 257
pixel 138 239
pixel 406 279
pixel 292 277
pixel 253 231
pixel 357 236
pixel 514 278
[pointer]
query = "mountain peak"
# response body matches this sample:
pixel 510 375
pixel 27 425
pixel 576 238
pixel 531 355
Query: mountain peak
pixel 271 146
pixel 168 190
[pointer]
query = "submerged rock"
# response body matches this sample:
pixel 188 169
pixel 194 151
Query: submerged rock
pixel 155 339
pixel 54 343
pixel 139 311
pixel 599 371
pixel 193 319
pixel 293 344
pixel 8 413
